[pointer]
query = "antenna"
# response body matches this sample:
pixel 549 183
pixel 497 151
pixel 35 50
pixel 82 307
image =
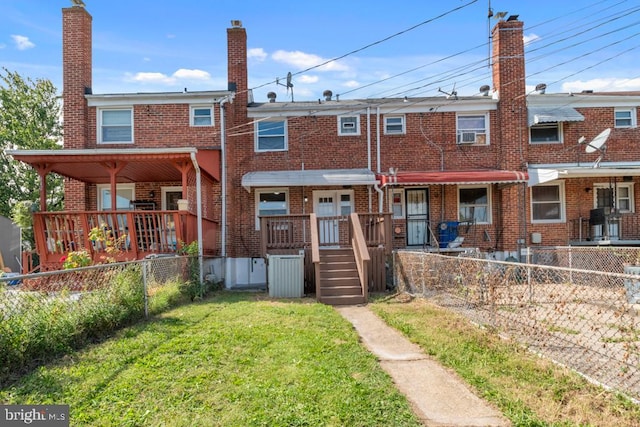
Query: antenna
pixel 453 93
pixel 288 85
pixel 597 144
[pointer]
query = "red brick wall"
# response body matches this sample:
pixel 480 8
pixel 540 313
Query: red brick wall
pixel 157 126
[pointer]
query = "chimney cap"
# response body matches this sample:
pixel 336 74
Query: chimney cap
pixel 236 23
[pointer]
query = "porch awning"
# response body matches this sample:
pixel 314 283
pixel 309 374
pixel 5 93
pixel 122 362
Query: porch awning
pixel 551 114
pixel 454 177
pixel 133 164
pixel 549 172
pixel 308 177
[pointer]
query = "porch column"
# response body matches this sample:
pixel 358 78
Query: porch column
pixel 184 168
pixel 43 170
pixel 113 169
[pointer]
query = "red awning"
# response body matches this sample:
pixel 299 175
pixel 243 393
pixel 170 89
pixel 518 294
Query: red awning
pixel 453 177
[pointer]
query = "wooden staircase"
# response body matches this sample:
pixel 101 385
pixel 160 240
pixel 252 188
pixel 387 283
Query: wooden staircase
pixel 339 281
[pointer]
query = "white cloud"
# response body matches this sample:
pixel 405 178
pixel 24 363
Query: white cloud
pixel 182 74
pixel 2 45
pixel 22 42
pixel 351 84
pixel 257 53
pixel 303 60
pixel 186 74
pixel 305 78
pixel 611 84
pixel 529 38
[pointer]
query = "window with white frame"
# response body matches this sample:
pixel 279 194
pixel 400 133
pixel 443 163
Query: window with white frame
pixel 474 204
pixel 201 115
pixel 546 133
pixel 125 193
pixel 348 125
pixel 472 129
pixel 115 126
pixel 547 203
pixel 620 193
pixel 271 135
pixel 625 117
pixel 397 203
pixel 394 125
pixel 270 202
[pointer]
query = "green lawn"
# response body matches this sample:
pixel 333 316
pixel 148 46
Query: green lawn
pixel 529 390
pixel 231 360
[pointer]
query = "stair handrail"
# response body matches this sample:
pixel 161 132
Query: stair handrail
pixel 315 251
pixel 360 252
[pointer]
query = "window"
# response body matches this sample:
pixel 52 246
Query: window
pixel 621 194
pixel 546 133
pixel 394 125
pixel 201 116
pixel 397 203
pixel 124 196
pixel 271 135
pixel 472 129
pixel 170 197
pixel 271 202
pixel 625 117
pixel 547 203
pixel 115 126
pixel 473 204
pixel 348 125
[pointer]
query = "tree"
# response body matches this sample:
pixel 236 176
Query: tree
pixel 29 120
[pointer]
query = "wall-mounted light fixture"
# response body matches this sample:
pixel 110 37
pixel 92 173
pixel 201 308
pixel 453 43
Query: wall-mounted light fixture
pixel 152 194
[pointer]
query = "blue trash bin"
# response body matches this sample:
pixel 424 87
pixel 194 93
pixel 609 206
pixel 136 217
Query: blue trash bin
pixel 447 232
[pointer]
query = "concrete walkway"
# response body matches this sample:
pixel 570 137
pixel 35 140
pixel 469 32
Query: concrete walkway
pixel 438 396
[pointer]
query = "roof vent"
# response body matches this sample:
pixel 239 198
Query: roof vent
pixel 327 95
pixel 541 88
pixel 587 91
pixel 271 96
pixel 236 23
pixel 484 90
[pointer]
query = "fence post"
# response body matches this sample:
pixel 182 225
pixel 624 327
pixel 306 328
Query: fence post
pixel 144 284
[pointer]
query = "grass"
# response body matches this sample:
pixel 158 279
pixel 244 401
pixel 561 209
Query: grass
pixel 529 390
pixel 230 360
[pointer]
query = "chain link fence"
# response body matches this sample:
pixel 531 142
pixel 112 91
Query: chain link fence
pixel 47 314
pixel 583 318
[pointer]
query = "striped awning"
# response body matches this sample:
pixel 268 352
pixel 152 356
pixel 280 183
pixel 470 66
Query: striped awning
pixel 552 114
pixel 491 176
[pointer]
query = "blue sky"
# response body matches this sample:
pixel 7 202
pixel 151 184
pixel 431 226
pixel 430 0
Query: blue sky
pixel 163 46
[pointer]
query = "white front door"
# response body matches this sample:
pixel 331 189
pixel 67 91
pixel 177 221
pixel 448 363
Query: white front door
pixel 329 207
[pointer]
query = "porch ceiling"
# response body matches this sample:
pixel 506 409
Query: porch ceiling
pixel 137 165
pixel 454 177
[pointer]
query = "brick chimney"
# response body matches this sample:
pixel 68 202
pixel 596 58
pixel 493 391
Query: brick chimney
pixel 76 74
pixel 512 134
pixel 76 82
pixel 237 62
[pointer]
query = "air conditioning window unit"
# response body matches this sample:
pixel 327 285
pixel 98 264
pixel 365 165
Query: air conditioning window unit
pixel 467 138
pixel 472 138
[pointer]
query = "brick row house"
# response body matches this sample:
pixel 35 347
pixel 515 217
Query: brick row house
pixel 499 171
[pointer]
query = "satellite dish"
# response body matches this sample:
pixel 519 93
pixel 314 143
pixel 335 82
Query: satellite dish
pixel 598 142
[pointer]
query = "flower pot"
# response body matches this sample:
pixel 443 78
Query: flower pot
pixel 632 286
pixel 183 204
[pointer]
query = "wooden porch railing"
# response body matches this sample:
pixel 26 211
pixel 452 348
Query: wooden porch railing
pixel 291 233
pixel 315 252
pixel 361 253
pixel 133 234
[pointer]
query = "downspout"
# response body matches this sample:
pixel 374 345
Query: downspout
pixel 223 183
pixel 196 167
pixel 378 189
pixel 369 149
